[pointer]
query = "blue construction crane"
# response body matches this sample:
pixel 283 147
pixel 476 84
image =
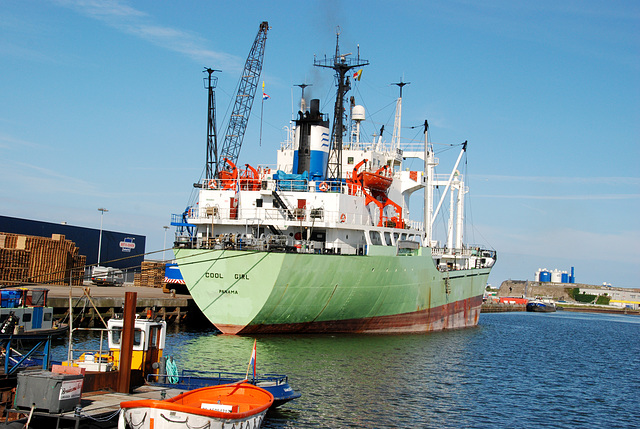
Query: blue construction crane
pixel 244 100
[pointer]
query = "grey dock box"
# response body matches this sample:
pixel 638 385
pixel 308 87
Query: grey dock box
pixel 51 392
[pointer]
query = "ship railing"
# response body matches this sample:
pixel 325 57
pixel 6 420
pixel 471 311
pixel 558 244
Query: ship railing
pixel 265 182
pixel 462 259
pixel 282 216
pixel 444 251
pixel 277 243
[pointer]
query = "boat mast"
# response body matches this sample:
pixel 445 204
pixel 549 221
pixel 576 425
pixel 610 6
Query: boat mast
pixel 444 193
pixel 450 224
pixel 211 169
pixel 428 189
pixel 341 64
pixel 459 185
pixel 395 139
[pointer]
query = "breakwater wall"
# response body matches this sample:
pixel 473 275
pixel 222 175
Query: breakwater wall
pixel 497 307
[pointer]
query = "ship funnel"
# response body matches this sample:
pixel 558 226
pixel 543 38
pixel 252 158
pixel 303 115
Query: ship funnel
pixel 312 143
pixel 315 108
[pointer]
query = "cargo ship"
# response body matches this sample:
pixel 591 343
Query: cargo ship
pixel 323 241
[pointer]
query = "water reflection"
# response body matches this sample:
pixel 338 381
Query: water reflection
pixel 513 370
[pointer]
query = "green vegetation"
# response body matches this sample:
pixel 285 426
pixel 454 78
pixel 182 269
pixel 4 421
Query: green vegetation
pixel 581 297
pixel 603 300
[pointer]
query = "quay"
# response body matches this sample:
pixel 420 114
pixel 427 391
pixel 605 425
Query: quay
pixel 89 301
pixel 498 307
pixel 97 409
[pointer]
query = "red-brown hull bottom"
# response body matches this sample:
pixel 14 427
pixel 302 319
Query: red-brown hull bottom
pixel 459 314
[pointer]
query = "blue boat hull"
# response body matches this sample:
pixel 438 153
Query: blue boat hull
pixel 276 384
pixel 540 307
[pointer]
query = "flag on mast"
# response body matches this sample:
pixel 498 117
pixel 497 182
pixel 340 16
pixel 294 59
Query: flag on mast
pixel 252 361
pixel 264 94
pixel 357 75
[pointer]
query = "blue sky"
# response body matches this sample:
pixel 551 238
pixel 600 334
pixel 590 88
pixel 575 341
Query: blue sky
pixel 103 105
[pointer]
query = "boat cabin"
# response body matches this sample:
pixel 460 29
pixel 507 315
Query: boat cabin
pixel 25 311
pixel 148 342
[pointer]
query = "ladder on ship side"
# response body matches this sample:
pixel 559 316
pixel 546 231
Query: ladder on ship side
pixel 283 205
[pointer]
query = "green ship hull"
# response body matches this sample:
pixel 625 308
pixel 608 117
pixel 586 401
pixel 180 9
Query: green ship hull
pixel 255 292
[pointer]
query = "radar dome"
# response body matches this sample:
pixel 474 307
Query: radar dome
pixel 357 114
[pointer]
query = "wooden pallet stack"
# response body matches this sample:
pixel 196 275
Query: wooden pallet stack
pixel 14 265
pixel 151 274
pixel 41 260
pixel 78 267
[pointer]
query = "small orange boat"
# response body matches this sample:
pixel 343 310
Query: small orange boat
pixel 214 407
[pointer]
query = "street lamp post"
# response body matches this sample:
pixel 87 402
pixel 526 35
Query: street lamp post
pixel 164 244
pixel 101 210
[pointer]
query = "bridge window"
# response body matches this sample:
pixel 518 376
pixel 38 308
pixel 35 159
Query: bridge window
pixel 116 335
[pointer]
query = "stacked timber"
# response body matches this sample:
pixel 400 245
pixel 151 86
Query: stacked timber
pixel 14 265
pixel 32 259
pixel 151 274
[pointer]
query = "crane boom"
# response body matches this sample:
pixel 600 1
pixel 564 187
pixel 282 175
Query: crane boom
pixel 244 99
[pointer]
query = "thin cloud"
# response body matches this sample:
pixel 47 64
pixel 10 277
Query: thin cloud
pixel 47 179
pixel 562 242
pixel 562 180
pixel 132 21
pixel 564 197
pixel 7 142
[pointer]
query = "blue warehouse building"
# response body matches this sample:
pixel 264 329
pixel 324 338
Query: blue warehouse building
pixel 119 249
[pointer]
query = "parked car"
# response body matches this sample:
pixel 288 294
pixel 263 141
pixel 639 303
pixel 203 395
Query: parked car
pixel 107 276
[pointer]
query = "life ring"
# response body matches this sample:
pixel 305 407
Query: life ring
pixel 212 184
pixel 324 186
pixel 343 218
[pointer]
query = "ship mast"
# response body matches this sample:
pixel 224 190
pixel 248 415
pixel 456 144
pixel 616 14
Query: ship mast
pixel 395 139
pixel 341 64
pixel 211 170
pixel 429 163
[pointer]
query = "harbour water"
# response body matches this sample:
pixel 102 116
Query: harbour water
pixel 516 370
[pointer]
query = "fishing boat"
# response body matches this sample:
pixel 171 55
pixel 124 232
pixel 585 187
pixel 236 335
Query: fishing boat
pixel 216 407
pixel 25 312
pixel 276 384
pixel 326 243
pixel 540 306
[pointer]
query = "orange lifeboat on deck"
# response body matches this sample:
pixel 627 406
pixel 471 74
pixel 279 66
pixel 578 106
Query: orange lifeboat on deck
pixel 376 181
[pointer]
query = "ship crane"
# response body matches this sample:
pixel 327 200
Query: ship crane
pixel 244 100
